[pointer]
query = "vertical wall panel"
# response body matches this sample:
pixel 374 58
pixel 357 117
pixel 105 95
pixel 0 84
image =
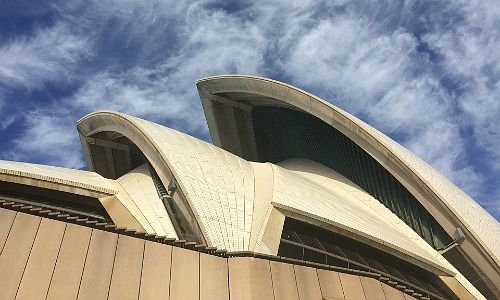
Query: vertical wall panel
pixel 373 288
pixel 213 278
pixel 42 260
pixel 240 286
pixel 16 252
pixel 69 266
pixel 260 279
pixel 391 293
pixel 6 220
pixel 184 280
pixel 250 278
pixel 408 297
pixel 98 266
pixel 156 264
pixel 307 283
pixel 351 285
pixel 126 276
pixel 329 282
pixel 284 284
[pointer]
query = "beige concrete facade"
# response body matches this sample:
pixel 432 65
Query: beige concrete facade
pixel 50 259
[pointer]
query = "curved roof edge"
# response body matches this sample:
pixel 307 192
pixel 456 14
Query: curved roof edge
pixel 449 205
pixel 71 181
pixel 215 187
pixel 128 126
pixel 74 179
pixel 107 121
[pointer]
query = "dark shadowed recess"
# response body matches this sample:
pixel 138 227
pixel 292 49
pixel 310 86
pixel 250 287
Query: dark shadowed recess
pixel 303 241
pixel 74 204
pixel 281 134
pixel 115 155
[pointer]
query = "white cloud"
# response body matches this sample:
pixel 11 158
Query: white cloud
pixel 493 204
pixel 5 119
pixel 51 137
pixel 344 57
pixel 470 56
pixel 2 100
pixel 49 55
pixel 158 99
pixel 381 76
pixel 212 43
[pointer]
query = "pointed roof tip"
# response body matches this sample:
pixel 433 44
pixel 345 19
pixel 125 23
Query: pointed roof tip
pixel 222 76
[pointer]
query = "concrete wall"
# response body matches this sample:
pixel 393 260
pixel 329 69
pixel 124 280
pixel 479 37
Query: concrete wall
pixel 42 258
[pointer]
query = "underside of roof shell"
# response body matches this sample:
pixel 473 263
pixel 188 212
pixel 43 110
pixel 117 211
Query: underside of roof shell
pixel 76 181
pixel 91 185
pixel 228 99
pixel 317 194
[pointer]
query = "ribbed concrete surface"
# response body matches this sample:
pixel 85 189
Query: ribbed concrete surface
pixel 313 189
pixel 47 259
pixel 218 184
pixel 480 223
pixel 220 189
pixel 90 181
pixel 445 201
pixel 139 185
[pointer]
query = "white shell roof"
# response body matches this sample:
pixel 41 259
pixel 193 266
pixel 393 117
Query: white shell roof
pixel 322 194
pixel 134 190
pixel 476 219
pixel 484 228
pixel 143 200
pixel 348 206
pixel 69 177
pixel 219 186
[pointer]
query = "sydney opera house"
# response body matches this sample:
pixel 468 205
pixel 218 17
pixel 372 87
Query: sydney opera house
pixel 295 199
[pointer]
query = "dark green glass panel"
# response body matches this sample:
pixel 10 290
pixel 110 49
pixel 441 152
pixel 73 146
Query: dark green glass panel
pixel 282 134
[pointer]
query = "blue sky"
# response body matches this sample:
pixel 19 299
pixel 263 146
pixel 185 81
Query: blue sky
pixel 426 73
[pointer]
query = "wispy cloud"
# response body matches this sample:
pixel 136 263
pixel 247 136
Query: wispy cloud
pixel 380 75
pixel 49 138
pixel 471 59
pixel 211 42
pixel 208 42
pixel 51 54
